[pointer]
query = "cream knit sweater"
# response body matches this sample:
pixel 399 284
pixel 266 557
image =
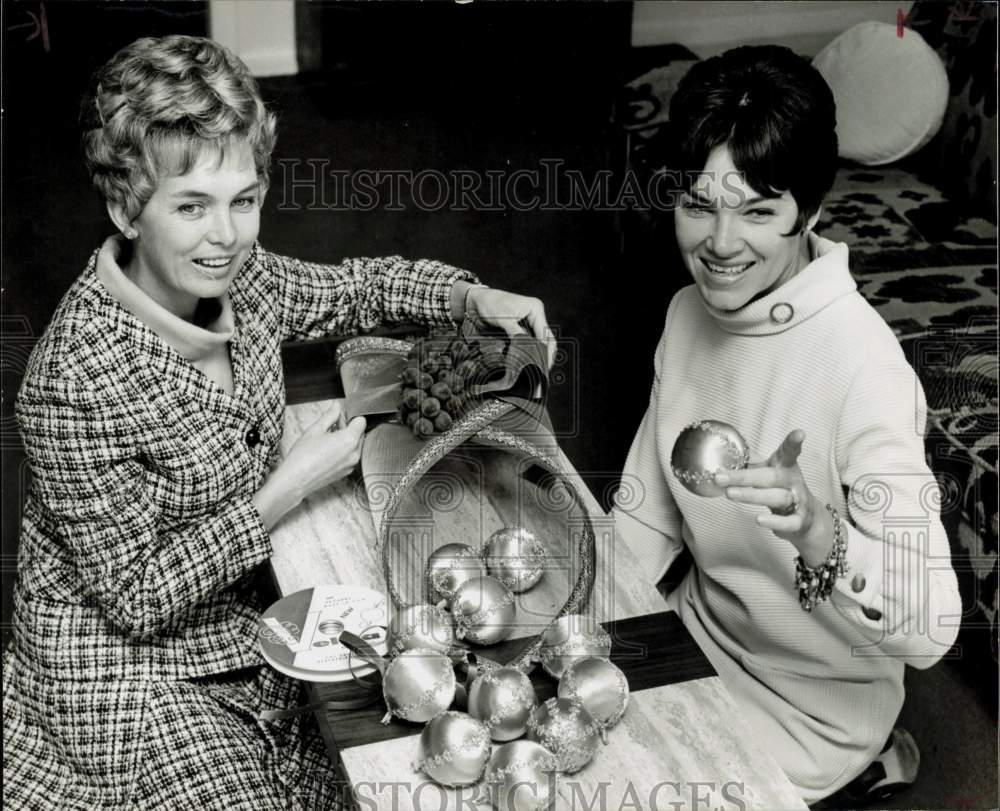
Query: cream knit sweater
pixel 821 689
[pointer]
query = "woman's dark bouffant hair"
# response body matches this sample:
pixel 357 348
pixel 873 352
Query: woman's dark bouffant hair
pixel 775 112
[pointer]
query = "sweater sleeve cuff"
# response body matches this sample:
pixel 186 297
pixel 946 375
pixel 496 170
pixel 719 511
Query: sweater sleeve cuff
pixel 859 592
pixel 654 550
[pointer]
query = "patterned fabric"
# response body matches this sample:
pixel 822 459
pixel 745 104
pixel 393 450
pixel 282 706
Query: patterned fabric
pixel 877 209
pixel 140 541
pixel 963 157
pixel 930 270
pixel 162 745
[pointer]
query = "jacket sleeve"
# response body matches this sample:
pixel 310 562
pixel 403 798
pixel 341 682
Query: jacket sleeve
pixel 143 568
pixel 357 295
pixel 645 513
pixel 900 591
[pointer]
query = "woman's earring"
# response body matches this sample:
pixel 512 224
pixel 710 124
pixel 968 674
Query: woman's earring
pixel 130 233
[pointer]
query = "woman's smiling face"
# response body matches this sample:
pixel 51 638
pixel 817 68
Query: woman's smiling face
pixel 733 239
pixel 196 232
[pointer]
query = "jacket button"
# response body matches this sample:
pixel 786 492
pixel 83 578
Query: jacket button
pixel 872 613
pixel 253 438
pixel 858 584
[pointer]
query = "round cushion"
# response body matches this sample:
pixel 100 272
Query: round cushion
pixel 891 91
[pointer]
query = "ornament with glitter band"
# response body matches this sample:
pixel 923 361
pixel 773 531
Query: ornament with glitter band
pixel 705 448
pixel 566 729
pixel 521 776
pixel 421 626
pixel 449 566
pixel 503 700
pixel 418 684
pixel 600 686
pixel 453 749
pixel 515 557
pixel 569 638
pixel 484 611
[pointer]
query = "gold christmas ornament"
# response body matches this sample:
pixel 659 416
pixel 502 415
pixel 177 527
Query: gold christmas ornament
pixel 570 638
pixel 448 567
pixel 484 610
pixel 417 685
pixel 600 687
pixel 515 557
pixel 503 700
pixel 705 448
pixel 521 776
pixel 567 730
pixel 421 626
pixel 453 749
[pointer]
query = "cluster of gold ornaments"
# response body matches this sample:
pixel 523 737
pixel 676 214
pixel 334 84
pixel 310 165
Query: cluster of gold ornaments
pixel 479 587
pixel 434 382
pixel 507 741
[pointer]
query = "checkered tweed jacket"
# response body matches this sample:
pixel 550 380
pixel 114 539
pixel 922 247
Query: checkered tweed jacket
pixel 139 537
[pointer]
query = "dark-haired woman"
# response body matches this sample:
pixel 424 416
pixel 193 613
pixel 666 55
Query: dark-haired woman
pixel 805 593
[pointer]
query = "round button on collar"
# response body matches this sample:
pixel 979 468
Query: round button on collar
pixel 782 313
pixel 252 438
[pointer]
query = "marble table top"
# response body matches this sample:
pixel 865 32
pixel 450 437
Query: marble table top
pixel 681 744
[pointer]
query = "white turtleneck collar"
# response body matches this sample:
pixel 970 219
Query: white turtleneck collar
pixel 825 279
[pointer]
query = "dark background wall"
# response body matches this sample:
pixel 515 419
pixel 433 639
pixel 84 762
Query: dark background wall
pixel 402 86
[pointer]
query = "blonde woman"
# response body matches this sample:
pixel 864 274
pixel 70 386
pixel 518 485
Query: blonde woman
pixel 151 412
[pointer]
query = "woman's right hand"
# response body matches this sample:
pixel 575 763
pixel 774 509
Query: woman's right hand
pixel 327 451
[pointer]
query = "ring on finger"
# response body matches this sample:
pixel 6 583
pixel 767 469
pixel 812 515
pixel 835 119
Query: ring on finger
pixel 792 508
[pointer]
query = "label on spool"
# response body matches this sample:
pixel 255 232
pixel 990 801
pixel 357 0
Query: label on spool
pixel 299 634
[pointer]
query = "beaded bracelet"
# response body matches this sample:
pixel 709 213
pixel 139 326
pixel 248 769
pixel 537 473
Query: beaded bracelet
pixel 816 584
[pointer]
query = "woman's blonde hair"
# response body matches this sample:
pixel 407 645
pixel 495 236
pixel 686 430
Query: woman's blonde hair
pixel 158 104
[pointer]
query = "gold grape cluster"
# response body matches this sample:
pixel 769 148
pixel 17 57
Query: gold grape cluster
pixel 436 380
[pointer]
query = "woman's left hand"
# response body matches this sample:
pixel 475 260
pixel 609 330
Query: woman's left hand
pixel 796 514
pixel 509 311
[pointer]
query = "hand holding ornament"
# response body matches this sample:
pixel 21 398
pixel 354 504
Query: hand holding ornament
pixel 704 449
pixel 796 515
